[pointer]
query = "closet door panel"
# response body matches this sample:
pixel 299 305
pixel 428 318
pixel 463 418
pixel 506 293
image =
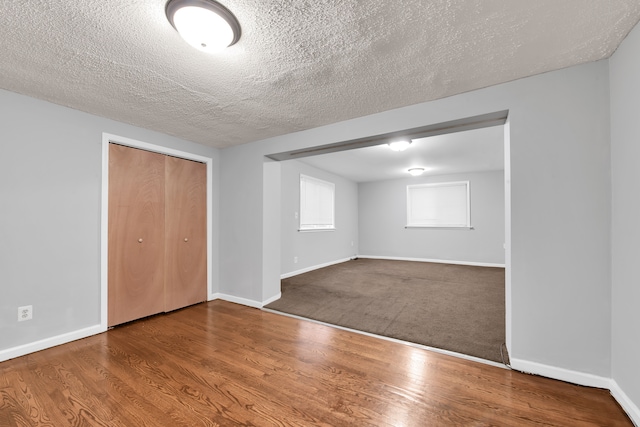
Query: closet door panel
pixel 186 231
pixel 136 234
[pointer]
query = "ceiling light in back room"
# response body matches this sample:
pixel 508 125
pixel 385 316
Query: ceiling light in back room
pixel 399 145
pixel 416 171
pixel 204 24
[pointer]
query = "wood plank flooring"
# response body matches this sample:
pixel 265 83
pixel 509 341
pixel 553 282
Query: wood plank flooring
pixel 222 364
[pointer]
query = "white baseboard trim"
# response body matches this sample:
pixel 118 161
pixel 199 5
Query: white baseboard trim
pixel 272 299
pixel 244 301
pixel 581 378
pixel 43 344
pixel 314 267
pixel 629 407
pixel 441 261
pixel 575 377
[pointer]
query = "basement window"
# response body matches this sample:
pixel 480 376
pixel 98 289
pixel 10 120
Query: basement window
pixel 441 205
pixel 316 204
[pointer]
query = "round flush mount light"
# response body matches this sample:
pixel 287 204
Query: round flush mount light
pixel 416 171
pixel 204 24
pixel 399 145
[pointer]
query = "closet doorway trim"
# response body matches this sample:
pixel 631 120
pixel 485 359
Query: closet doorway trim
pixel 104 214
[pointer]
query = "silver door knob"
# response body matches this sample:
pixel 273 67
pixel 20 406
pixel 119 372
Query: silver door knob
pixel 139 240
pixel 186 240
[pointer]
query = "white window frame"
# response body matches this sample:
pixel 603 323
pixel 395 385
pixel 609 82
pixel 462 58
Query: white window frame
pixel 415 223
pixel 310 226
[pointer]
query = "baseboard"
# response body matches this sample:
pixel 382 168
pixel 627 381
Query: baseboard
pixel 243 301
pixel 43 344
pixel 272 299
pixel 315 267
pixel 623 400
pixel 22 350
pixel 581 378
pixel 575 377
pixel 441 261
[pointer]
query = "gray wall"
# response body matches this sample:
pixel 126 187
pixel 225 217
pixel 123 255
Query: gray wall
pixel 560 181
pixel 383 216
pixel 50 185
pixel 271 214
pixel 316 248
pixel 625 153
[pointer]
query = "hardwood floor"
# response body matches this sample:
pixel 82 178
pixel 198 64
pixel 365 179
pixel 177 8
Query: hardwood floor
pixel 222 364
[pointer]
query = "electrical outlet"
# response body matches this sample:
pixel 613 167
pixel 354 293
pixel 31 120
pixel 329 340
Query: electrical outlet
pixel 25 313
pixel 295 259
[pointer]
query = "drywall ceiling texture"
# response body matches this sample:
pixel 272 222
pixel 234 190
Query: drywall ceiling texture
pixel 298 65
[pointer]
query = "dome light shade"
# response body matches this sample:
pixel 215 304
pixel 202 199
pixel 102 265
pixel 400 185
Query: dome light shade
pixel 416 171
pixel 399 145
pixel 204 24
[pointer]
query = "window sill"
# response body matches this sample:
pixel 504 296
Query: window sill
pixel 315 230
pixel 433 227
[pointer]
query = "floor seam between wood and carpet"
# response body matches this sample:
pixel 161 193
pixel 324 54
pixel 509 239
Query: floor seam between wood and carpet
pixel 394 340
pixel 457 308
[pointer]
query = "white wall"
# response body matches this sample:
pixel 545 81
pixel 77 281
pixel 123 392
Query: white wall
pixel 383 217
pixel 560 181
pixel 625 161
pixel 322 247
pixel 50 190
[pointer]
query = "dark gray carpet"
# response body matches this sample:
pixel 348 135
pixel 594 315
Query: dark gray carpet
pixel 453 307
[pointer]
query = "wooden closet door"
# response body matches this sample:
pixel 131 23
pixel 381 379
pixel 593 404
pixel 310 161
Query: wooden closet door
pixel 136 234
pixel 186 231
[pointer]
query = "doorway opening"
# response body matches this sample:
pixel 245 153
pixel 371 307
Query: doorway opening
pixel 342 160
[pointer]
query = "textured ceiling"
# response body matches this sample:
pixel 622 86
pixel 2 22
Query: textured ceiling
pixel 298 65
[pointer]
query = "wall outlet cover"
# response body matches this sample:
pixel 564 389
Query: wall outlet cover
pixel 25 313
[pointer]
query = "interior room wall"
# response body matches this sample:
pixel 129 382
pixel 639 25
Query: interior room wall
pixel 625 153
pixel 50 185
pixel 272 212
pixel 560 207
pixel 383 217
pixel 317 247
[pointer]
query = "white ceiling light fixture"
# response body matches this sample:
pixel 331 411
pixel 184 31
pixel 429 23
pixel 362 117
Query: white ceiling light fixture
pixel 399 145
pixel 416 171
pixel 204 24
